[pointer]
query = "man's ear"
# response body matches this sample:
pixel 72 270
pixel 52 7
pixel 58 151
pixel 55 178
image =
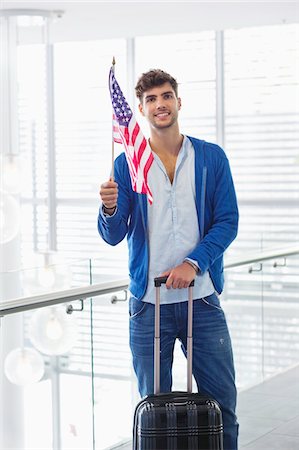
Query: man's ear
pixel 140 108
pixel 179 103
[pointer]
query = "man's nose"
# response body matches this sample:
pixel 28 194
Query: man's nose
pixel 160 103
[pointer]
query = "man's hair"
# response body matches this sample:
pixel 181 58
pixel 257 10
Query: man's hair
pixel 154 78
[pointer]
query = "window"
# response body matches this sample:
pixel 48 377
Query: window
pixel 262 132
pixel 82 147
pixel 191 59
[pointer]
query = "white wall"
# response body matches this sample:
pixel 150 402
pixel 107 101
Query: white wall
pixel 96 20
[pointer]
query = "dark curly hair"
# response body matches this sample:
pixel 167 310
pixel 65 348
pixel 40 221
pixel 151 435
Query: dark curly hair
pixel 154 78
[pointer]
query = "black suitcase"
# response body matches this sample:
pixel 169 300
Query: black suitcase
pixel 176 420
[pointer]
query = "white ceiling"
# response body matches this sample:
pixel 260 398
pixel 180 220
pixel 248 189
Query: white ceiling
pixel 94 20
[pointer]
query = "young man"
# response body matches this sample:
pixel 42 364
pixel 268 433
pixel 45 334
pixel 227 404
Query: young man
pixel 183 234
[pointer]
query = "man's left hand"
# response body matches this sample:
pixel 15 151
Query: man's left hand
pixel 180 276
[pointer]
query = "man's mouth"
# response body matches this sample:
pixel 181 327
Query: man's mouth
pixel 162 114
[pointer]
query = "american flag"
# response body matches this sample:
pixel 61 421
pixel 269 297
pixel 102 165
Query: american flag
pixel 126 131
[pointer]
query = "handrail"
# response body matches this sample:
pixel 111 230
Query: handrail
pixel 265 255
pixel 65 296
pixel 70 295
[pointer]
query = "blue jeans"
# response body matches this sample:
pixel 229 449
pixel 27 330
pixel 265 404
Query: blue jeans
pixel 213 366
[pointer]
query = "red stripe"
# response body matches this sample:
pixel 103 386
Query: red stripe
pixel 141 149
pixel 135 132
pixel 126 135
pixel 122 135
pixel 138 152
pixel 147 166
pixel 130 162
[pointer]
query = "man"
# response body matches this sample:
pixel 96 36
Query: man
pixel 183 234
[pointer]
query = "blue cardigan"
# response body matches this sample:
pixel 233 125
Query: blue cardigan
pixel 217 213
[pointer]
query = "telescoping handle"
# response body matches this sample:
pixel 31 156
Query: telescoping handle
pixel 158 282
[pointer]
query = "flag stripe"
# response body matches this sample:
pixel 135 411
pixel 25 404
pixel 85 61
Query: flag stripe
pixel 139 141
pixel 127 131
pixel 132 167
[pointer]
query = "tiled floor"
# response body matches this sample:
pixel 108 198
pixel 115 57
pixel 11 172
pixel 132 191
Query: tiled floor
pixel 268 414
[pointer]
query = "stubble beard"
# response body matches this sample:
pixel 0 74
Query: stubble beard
pixel 161 126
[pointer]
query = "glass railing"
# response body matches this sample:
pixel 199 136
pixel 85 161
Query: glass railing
pixel 66 378
pixel 261 301
pixel 57 357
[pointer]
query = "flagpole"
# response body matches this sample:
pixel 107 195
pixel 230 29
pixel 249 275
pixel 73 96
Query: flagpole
pixel 112 166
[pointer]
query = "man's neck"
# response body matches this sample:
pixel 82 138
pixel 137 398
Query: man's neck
pixel 166 141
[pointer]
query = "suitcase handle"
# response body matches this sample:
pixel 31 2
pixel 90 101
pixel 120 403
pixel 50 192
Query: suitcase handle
pixel 162 280
pixel 158 281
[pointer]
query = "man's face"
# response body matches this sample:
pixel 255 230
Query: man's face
pixel 160 106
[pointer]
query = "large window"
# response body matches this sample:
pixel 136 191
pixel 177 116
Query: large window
pixel 262 132
pixel 82 143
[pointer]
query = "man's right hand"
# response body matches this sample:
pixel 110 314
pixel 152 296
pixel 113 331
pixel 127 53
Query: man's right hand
pixel 109 195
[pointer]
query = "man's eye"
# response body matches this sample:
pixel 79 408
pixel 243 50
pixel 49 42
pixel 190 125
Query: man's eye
pixel 150 99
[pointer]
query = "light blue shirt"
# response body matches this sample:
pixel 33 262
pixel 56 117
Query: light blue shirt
pixel 173 225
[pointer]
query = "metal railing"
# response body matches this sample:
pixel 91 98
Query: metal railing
pixel 80 293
